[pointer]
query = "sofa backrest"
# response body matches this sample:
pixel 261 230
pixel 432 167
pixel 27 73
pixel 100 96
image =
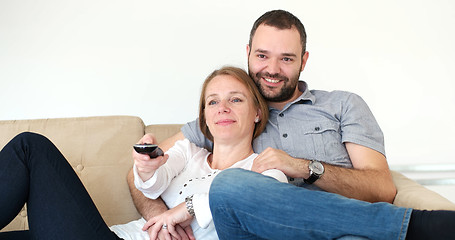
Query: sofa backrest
pixel 99 150
pixel 163 131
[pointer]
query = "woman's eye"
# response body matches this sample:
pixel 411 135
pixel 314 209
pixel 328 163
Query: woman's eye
pixel 236 100
pixel 212 102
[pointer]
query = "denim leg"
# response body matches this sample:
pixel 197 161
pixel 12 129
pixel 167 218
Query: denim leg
pixel 33 171
pixel 248 205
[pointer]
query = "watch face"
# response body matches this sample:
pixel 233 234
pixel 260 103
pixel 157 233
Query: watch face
pixel 317 167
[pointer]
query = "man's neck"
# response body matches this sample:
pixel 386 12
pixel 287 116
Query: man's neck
pixel 281 105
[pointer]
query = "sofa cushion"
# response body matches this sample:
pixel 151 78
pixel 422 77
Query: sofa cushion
pixel 98 149
pixel 410 194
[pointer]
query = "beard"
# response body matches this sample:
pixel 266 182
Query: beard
pixel 279 95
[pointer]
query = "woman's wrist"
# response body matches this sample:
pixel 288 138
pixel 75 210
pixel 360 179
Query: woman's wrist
pixel 189 205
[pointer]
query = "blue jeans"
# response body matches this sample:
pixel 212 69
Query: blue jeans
pixel 248 205
pixel 33 171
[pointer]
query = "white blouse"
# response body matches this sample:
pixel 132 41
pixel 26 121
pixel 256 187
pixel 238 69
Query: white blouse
pixel 186 173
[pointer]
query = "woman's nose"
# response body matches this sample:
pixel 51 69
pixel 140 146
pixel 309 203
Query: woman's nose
pixel 223 107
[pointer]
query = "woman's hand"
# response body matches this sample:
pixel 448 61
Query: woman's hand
pixel 146 166
pixel 186 233
pixel 172 217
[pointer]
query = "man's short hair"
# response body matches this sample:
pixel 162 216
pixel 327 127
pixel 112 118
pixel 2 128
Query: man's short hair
pixel 282 20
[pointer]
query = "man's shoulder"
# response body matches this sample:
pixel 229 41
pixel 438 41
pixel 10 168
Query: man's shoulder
pixel 334 95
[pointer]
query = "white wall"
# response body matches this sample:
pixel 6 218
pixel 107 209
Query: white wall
pixel 149 58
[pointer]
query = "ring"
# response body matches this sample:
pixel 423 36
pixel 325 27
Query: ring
pixel 164 226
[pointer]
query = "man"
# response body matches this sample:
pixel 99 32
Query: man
pixel 320 140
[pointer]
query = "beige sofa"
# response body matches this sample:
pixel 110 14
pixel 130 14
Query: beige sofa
pixel 99 149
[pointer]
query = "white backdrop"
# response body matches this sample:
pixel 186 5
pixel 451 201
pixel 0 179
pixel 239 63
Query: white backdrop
pixel 149 58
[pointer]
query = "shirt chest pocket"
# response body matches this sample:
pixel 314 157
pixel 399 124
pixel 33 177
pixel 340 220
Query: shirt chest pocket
pixel 323 140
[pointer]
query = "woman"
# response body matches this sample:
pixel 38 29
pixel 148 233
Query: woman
pixel 33 171
pixel 231 113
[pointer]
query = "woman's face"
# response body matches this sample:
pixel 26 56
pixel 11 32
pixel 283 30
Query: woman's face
pixel 229 109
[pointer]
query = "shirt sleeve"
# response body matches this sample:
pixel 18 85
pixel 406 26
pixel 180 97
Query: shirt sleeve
pixel 193 133
pixel 202 209
pixel 157 184
pixel 358 125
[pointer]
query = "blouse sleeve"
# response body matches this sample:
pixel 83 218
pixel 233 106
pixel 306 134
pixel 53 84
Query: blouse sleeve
pixel 277 174
pixel 202 209
pixel 157 184
pixel 201 201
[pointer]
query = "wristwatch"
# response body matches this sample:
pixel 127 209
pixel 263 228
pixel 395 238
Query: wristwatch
pixel 316 171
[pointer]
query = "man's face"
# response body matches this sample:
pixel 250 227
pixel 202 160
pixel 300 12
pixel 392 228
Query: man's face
pixel 275 62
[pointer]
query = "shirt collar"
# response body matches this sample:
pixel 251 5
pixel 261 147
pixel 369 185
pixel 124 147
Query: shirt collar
pixel 305 97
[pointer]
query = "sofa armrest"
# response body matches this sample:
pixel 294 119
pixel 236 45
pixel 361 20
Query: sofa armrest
pixel 410 194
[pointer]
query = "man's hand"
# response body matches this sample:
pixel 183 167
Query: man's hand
pixel 369 179
pixel 176 220
pixel 272 158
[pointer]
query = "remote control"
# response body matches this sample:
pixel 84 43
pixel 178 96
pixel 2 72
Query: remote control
pixel 150 149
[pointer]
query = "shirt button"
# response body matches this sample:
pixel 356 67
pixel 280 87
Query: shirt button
pixel 281 114
pixel 285 135
pixel 291 179
pixel 316 128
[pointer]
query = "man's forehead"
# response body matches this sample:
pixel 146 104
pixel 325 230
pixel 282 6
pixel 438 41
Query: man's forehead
pixel 268 39
pixel 283 53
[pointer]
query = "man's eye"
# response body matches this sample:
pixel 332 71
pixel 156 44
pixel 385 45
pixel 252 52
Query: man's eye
pixel 261 56
pixel 286 59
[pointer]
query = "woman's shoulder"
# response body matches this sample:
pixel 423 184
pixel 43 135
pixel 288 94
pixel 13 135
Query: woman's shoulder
pixel 189 148
pixel 246 163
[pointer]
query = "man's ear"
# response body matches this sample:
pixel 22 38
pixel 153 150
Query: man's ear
pixel 247 50
pixel 304 59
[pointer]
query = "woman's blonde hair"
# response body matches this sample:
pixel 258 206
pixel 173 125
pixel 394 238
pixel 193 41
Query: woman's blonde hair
pixel 246 80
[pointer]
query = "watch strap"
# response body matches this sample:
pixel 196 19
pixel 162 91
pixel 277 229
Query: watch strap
pixel 313 177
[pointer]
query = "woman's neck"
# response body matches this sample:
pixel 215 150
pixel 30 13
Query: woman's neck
pixel 226 155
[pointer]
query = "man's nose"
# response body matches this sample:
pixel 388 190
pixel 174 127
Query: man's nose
pixel 273 66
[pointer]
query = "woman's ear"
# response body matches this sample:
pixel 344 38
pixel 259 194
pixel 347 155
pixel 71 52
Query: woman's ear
pixel 258 116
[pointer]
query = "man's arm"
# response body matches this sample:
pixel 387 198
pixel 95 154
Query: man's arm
pixel 370 179
pixel 145 206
